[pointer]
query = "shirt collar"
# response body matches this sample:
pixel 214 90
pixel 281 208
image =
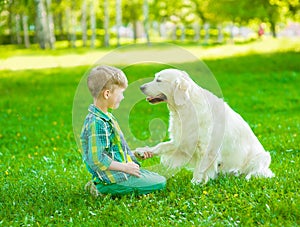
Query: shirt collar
pixel 97 112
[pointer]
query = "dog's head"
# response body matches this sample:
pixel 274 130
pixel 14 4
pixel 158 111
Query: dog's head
pixel 169 85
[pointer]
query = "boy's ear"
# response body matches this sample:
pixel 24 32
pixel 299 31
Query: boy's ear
pixel 106 94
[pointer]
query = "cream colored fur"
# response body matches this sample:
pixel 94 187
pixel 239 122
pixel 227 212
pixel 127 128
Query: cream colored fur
pixel 205 133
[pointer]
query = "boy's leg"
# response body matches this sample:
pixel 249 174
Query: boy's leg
pixel 148 182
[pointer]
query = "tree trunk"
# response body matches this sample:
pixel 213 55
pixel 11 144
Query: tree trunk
pixel 25 30
pixel 174 35
pixel 118 19
pixel 106 23
pixel 50 26
pixel 10 22
pixel 135 36
pixel 146 20
pixel 197 28
pixel 18 29
pixel 73 27
pixel 162 30
pixel 93 24
pixel 207 36
pixel 182 36
pixel 41 23
pixel 220 34
pixel 134 21
pixel 60 26
pixel 273 29
pixel 67 25
pixel 59 21
pixel 231 40
pixel 83 23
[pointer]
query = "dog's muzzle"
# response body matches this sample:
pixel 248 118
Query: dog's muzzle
pixel 156 99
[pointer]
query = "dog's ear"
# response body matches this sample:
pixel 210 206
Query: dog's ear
pixel 181 92
pixel 185 74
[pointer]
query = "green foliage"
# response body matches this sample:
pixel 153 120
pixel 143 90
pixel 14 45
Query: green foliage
pixel 42 175
pixel 71 18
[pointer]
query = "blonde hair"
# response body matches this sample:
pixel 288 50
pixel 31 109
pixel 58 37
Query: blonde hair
pixel 105 77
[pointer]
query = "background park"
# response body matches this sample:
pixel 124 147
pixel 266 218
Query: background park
pixel 252 49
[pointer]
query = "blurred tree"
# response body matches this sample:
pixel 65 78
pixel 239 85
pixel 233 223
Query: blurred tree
pixel 118 19
pixel 287 9
pixel 159 12
pixel 202 12
pixel 16 22
pixel 50 25
pixel 178 13
pixel 131 15
pixel 84 22
pixel 25 30
pixel 93 23
pixel 41 23
pixel 25 6
pixel 293 8
pixel 270 11
pixel 146 20
pixel 271 14
pixel 65 20
pixel 106 23
pixel 72 26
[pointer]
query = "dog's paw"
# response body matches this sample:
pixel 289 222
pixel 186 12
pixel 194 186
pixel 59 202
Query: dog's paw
pixel 203 178
pixel 140 151
pixel 200 180
pixel 196 181
pixel 266 173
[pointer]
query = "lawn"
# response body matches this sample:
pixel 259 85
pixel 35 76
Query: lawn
pixel 43 177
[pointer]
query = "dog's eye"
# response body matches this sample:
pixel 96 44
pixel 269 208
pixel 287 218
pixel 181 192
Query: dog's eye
pixel 158 80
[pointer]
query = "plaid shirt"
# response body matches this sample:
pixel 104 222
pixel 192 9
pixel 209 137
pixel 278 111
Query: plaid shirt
pixel 102 142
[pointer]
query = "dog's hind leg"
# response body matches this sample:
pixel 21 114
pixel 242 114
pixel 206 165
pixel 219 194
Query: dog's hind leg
pixel 259 166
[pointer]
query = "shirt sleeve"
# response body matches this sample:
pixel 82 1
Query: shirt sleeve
pixel 98 145
pixel 132 156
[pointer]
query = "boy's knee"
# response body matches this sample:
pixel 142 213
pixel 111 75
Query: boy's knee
pixel 156 181
pixel 162 181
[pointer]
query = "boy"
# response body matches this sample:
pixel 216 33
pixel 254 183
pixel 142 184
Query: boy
pixel 114 168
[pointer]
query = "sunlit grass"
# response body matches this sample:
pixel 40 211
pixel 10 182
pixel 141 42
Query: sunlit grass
pixel 18 59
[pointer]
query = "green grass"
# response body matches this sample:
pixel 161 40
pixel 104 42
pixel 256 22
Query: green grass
pixel 42 175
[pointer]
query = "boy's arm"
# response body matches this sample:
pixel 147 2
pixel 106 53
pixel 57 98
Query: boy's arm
pixel 130 168
pixel 99 141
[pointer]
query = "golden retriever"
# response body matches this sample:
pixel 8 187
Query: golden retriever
pixel 205 133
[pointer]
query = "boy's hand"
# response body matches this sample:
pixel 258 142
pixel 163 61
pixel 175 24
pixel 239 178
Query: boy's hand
pixel 147 154
pixel 143 152
pixel 132 169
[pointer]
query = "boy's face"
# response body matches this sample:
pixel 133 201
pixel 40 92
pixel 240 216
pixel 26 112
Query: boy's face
pixel 116 96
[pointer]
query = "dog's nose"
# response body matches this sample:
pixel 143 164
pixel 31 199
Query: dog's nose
pixel 143 87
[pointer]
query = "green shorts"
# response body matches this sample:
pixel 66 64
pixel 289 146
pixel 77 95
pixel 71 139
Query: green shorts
pixel 146 183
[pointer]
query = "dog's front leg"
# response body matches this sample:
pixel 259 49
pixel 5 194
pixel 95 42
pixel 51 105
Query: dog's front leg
pixel 156 150
pixel 203 172
pixel 199 177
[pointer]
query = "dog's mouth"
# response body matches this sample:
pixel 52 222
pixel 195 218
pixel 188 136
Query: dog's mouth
pixel 157 99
